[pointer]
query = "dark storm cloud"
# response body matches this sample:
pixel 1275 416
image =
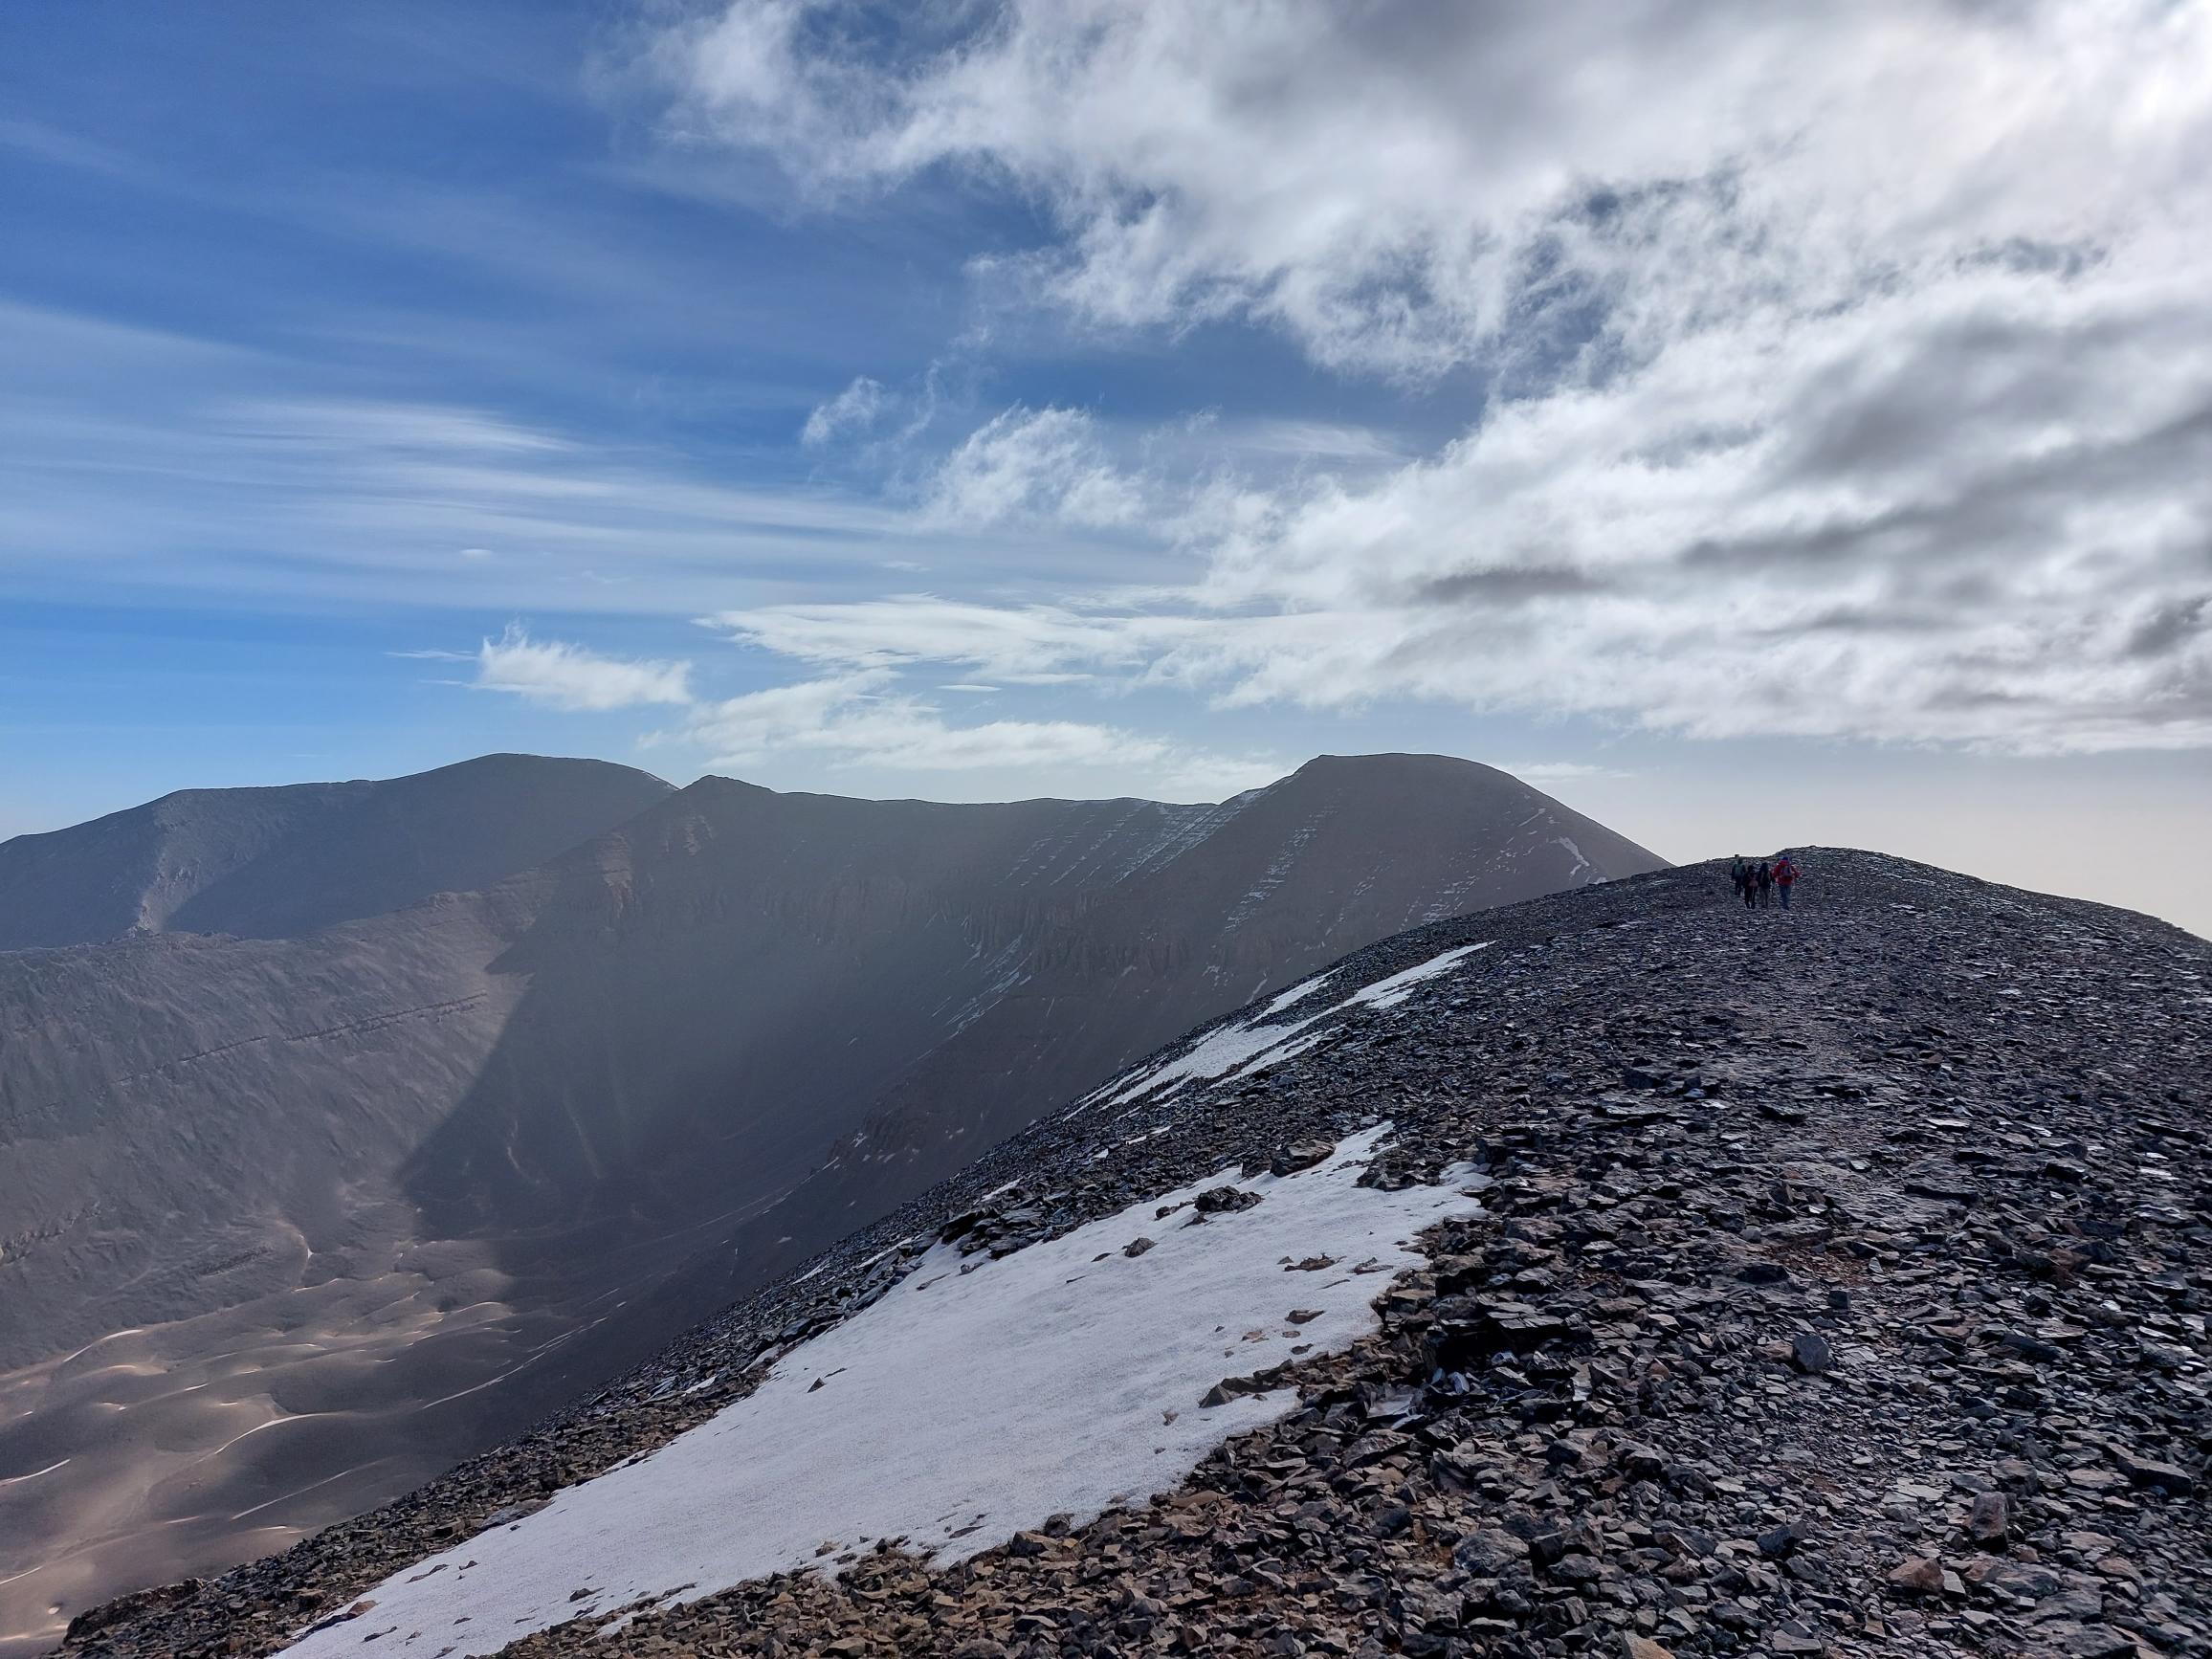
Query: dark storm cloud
pixel 2170 625
pixel 1507 586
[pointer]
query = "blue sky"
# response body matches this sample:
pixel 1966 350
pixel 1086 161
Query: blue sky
pixel 1756 428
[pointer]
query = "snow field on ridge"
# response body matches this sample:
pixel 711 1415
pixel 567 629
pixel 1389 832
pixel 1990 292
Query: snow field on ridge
pixel 976 1399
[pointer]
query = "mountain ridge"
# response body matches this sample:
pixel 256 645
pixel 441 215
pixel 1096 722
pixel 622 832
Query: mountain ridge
pixel 910 1139
pixel 375 1195
pixel 285 859
pixel 1752 1186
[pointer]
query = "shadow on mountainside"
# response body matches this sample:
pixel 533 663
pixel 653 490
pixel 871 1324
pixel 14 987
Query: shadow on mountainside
pixel 721 1065
pixel 370 1199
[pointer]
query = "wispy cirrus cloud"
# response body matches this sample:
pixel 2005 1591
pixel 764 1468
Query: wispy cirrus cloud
pixel 863 720
pixel 854 409
pixel 1011 645
pixel 567 677
pixel 132 454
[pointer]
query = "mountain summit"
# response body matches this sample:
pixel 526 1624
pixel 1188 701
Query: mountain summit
pixel 270 863
pixel 295 1222
pixel 1617 1272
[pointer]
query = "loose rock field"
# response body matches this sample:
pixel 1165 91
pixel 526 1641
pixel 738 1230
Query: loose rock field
pixel 1841 1287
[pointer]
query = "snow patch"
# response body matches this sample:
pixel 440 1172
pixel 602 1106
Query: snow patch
pixel 1390 992
pixel 1227 1052
pixel 1233 1051
pixel 974 1400
pixel 1575 852
pixel 1297 992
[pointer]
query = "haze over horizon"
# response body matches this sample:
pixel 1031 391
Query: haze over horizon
pixel 1754 428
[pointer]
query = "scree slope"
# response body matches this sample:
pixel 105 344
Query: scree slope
pixel 1681 1279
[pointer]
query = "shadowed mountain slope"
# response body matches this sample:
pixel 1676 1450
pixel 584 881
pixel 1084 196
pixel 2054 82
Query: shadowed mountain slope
pixel 270 863
pixel 1617 1272
pixel 301 1220
pixel 1302 873
pixel 971 963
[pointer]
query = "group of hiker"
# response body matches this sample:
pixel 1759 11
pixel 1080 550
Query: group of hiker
pixel 1757 884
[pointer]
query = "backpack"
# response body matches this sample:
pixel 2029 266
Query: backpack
pixel 1785 872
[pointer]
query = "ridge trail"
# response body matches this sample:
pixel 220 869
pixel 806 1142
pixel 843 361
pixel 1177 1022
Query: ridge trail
pixel 1841 1287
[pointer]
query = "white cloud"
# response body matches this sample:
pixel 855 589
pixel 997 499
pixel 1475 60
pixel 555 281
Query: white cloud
pixel 1046 463
pixel 1848 366
pixel 1304 440
pixel 426 432
pixel 1017 645
pixel 862 720
pixel 853 410
pixel 1398 182
pixel 567 677
pixel 188 471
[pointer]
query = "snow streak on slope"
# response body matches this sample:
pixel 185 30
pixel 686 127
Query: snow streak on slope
pixel 1575 852
pixel 1388 993
pixel 1296 994
pixel 1120 840
pixel 974 1400
pixel 1234 1049
pixel 1277 871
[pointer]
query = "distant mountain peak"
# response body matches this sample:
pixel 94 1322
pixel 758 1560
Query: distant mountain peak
pixel 270 861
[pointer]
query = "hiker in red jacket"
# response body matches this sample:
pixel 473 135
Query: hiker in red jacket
pixel 1786 874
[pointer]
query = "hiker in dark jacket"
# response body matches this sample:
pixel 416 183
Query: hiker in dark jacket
pixel 1786 874
pixel 1747 886
pixel 1738 873
pixel 1764 879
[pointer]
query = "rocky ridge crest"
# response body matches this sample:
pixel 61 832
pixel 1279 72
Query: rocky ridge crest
pixel 1843 1287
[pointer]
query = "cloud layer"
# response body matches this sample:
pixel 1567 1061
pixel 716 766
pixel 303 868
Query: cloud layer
pixel 567 677
pixel 857 718
pixel 1843 369
pixel 860 719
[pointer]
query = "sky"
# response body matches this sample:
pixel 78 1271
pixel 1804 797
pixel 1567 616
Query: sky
pixel 1754 425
